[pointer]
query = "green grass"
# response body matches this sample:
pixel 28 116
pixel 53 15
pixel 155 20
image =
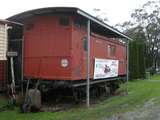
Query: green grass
pixel 156 77
pixel 3 100
pixel 139 92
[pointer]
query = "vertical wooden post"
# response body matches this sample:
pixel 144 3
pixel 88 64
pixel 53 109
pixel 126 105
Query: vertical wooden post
pixel 127 79
pixel 22 66
pixel 12 71
pixel 88 65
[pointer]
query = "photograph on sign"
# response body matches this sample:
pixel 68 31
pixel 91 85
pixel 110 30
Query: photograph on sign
pixel 105 68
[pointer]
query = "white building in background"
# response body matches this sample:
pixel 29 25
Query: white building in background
pixel 3 40
pixel 3 51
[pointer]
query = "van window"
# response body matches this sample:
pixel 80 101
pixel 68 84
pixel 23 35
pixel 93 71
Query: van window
pixel 112 50
pixel 64 21
pixel 85 44
pixel 79 22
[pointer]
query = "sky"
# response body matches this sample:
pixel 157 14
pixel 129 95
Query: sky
pixel 116 11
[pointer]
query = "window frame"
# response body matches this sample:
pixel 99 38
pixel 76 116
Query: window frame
pixel 111 50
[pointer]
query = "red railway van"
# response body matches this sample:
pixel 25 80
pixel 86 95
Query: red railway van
pixel 55 45
pixel 3 59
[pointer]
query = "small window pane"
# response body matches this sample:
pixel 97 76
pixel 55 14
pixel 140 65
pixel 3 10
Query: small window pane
pixel 77 22
pixel 85 44
pixel 112 50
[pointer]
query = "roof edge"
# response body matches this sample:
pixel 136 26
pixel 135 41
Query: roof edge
pixel 66 9
pixel 79 11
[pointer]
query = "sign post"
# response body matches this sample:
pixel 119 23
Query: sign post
pixel 12 54
pixel 88 65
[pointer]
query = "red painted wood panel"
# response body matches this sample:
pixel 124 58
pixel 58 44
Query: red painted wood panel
pixel 3 75
pixel 47 43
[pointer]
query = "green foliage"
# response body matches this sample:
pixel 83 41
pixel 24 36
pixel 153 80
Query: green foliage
pixel 136 59
pixel 141 56
pixel 156 77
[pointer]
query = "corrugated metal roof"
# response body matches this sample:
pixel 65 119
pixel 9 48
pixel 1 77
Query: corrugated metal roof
pixel 3 21
pixel 96 24
pixel 9 22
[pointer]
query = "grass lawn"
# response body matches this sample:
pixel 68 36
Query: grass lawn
pixel 139 92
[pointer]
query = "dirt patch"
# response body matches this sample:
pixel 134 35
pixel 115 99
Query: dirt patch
pixel 149 111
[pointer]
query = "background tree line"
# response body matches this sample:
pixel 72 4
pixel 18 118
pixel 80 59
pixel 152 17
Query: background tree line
pixel 144 29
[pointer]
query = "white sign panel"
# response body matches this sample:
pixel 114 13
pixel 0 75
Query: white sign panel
pixel 105 68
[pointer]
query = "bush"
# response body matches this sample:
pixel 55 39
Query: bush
pixel 136 59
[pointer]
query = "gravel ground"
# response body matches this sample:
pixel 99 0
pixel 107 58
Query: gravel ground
pixel 149 111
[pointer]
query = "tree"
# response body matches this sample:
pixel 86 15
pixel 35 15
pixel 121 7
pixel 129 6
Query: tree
pixel 136 57
pixel 99 14
pixel 145 26
pixel 148 19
